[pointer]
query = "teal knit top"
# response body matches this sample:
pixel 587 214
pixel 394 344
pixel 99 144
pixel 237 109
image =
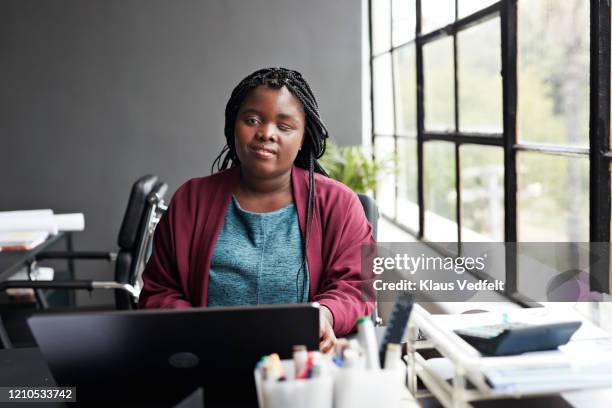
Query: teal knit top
pixel 258 259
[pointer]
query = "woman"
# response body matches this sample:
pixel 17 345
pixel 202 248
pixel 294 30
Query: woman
pixel 269 226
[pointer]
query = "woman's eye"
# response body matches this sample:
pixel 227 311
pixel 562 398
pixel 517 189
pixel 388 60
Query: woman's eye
pixel 251 121
pixel 284 128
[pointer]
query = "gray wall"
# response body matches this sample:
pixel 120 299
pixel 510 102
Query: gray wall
pixel 95 93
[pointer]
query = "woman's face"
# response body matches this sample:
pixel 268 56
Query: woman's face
pixel 269 131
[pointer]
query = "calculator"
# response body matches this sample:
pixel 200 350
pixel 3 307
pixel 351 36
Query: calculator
pixel 515 338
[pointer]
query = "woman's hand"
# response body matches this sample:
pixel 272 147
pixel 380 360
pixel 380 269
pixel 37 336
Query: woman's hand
pixel 327 338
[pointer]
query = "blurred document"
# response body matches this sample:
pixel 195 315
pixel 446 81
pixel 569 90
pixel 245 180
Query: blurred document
pixel 24 230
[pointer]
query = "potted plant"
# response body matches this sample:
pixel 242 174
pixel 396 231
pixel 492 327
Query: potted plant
pixel 353 167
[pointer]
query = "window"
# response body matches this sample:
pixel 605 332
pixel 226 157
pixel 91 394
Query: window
pixel 482 156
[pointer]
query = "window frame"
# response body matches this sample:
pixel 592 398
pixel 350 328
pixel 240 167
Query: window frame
pixel 599 152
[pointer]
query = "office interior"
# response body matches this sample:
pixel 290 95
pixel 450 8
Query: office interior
pixel 491 121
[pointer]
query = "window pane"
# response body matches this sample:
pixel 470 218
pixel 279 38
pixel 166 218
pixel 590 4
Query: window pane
pixel 467 7
pixel 440 195
pixel 381 26
pixel 439 93
pixel 405 90
pixel 480 81
pixel 555 272
pixel 404 20
pixel 552 198
pixel 407 195
pixel 383 95
pixel 482 193
pixel 385 191
pixel 553 87
pixel 436 14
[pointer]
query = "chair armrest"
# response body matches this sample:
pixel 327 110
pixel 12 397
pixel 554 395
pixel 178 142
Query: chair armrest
pixel 75 284
pixel 91 255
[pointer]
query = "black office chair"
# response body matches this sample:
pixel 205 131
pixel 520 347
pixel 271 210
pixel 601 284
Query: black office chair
pixel 371 212
pixel 143 211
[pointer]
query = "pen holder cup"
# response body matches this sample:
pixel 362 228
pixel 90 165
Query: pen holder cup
pixel 292 393
pixel 357 388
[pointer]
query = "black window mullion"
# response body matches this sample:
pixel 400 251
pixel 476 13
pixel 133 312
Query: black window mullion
pixel 470 138
pixel 479 17
pixel 572 151
pixel 420 120
pixel 508 22
pixel 456 113
pixel 599 140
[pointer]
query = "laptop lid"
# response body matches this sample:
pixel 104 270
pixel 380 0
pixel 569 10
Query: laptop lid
pixel 160 356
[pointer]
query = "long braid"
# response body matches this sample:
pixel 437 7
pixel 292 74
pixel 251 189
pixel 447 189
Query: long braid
pixel 309 216
pixel 315 133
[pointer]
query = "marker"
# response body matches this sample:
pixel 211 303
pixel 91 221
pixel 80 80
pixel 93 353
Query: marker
pixel 263 367
pixel 367 339
pixel 300 356
pixel 307 371
pixel 338 361
pixel 317 370
pixel 277 367
pixel 393 356
pixel 351 358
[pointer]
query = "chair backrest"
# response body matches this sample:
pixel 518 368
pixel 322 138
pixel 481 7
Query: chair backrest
pixel 371 212
pixel 135 211
pixel 135 233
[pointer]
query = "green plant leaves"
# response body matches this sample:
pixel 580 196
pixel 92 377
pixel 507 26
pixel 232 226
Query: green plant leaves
pixel 351 166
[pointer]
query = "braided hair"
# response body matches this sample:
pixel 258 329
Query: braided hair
pixel 315 131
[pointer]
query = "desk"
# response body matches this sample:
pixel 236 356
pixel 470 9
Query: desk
pixel 13 261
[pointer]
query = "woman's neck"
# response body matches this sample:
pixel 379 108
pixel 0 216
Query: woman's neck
pixel 257 186
pixel 262 195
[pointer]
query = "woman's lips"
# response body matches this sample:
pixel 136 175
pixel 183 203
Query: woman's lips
pixel 262 152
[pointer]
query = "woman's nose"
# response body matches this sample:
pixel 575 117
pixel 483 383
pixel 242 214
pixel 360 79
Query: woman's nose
pixel 267 132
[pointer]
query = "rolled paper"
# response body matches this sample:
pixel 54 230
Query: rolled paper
pixel 70 222
pixel 40 220
pixel 29 220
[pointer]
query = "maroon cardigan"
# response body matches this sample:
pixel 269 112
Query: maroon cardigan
pixel 176 275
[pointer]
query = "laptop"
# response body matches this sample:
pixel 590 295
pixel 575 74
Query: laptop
pixel 158 357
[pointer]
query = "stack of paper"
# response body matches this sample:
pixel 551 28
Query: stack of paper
pixel 548 378
pixel 21 240
pixel 584 362
pixel 23 230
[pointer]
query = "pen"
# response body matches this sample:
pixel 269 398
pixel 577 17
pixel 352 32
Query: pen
pixel 300 356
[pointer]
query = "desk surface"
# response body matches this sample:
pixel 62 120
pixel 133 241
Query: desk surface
pixel 12 261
